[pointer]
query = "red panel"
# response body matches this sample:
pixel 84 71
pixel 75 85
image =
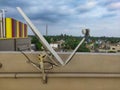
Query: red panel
pixel 15 28
pixel 12 27
pixel 20 29
pixel 25 30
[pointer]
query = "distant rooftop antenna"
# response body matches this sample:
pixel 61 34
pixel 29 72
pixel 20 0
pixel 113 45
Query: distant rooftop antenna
pixel 46 44
pixel 46 29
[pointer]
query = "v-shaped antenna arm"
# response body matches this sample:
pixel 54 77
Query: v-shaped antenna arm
pixel 44 42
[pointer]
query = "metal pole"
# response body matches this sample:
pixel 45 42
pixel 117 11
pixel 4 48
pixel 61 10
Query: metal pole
pixel 1 36
pixel 3 22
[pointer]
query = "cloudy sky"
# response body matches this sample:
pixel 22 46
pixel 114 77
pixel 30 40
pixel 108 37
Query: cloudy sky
pixel 102 17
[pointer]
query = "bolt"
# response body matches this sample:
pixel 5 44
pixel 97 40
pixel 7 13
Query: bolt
pixel 0 65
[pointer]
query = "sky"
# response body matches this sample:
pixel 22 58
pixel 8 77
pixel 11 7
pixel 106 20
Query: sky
pixel 69 17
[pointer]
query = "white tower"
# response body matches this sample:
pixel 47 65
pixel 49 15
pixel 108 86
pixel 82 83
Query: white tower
pixel 46 30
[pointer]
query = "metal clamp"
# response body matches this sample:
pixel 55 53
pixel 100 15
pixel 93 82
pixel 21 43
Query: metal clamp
pixel 41 62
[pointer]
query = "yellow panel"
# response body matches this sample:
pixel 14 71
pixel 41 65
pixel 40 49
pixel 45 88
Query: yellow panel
pixel 8 28
pixel 17 29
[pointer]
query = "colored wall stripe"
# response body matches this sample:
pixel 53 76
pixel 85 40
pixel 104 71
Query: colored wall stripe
pixel 22 30
pixel 15 29
pixel 8 28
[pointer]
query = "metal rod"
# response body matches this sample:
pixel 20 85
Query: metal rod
pixel 72 54
pixel 4 34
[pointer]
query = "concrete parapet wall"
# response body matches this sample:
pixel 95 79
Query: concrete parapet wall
pixel 86 71
pixel 81 62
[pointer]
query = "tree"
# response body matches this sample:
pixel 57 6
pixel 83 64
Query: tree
pixel 35 41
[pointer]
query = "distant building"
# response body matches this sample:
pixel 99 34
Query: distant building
pixel 13 35
pixel 115 48
pixel 57 45
pixel 13 29
pixel 54 45
pixel 103 46
pixel 112 48
pixel 33 47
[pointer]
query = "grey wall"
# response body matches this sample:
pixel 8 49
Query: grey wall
pixel 7 45
pixel 15 44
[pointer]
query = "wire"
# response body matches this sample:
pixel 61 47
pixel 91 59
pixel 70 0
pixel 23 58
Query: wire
pixel 51 64
pixel 29 59
pixel 38 65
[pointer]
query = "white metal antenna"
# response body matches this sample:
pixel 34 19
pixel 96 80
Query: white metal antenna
pixel 40 37
pixel 46 44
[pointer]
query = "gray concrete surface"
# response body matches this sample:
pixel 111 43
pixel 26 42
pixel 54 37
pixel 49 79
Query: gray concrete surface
pixel 15 44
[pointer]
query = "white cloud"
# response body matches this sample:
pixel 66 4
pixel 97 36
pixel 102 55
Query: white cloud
pixel 115 5
pixel 91 4
pixel 86 6
pixel 68 16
